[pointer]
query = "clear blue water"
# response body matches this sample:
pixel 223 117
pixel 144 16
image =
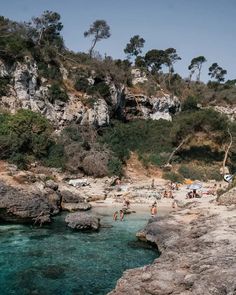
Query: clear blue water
pixel 56 260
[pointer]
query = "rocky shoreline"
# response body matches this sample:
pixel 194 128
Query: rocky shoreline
pixel 198 254
pixel 197 240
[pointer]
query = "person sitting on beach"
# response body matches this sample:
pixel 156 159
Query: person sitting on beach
pixel 165 194
pixel 115 215
pixel 189 195
pixel 155 203
pixel 121 215
pixel 170 194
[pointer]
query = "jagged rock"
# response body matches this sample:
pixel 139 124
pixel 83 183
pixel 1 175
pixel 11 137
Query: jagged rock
pixel 51 184
pixel 82 221
pixel 25 80
pixel 30 91
pixel 228 198
pixel 162 106
pixel 75 206
pixel 138 76
pixel 21 206
pixel 101 113
pixel 230 112
pixel 70 197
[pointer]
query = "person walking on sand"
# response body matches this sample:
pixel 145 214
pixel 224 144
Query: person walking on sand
pixel 115 215
pixel 121 215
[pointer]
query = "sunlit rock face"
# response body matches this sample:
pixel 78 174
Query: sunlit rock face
pixel 28 90
pixel 162 106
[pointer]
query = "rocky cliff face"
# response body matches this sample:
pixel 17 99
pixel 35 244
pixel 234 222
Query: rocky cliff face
pixel 30 91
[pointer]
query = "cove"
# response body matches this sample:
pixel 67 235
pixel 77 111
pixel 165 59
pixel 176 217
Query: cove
pixel 57 260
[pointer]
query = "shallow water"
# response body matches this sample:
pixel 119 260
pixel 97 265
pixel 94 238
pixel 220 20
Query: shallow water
pixel 56 260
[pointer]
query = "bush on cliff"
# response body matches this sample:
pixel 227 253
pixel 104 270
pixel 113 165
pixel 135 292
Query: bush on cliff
pixel 56 93
pixel 25 135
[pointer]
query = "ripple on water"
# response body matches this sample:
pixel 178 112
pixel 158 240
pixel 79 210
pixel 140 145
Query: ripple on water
pixel 56 260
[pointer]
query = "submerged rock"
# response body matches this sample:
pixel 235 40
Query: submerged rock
pixel 82 221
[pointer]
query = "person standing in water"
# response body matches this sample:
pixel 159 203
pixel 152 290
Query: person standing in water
pixel 153 210
pixel 115 215
pixel 121 215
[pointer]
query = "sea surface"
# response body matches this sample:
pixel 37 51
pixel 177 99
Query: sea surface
pixel 57 260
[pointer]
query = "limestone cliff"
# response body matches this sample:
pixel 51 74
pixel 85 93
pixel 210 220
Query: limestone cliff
pixel 28 90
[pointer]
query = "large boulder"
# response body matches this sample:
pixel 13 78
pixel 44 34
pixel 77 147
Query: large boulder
pixel 228 198
pixel 31 206
pixel 71 197
pixel 82 221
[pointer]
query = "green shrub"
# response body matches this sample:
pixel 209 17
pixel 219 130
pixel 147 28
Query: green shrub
pixel 81 84
pixel 20 160
pixel 4 85
pixel 190 104
pixel 197 172
pixel 174 177
pixel 191 172
pixel 115 167
pixel 100 88
pixel 55 156
pixel 24 136
pixel 146 137
pixel 73 133
pixel 56 93
pixel 213 173
pixel 49 71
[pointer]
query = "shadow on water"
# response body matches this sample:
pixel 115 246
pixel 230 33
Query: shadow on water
pixel 56 260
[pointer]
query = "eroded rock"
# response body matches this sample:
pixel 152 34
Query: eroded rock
pixel 82 221
pixel 198 255
pixel 21 206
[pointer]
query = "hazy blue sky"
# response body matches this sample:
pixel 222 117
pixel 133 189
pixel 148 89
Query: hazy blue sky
pixel 193 27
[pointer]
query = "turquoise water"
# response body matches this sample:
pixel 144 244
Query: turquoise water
pixel 56 260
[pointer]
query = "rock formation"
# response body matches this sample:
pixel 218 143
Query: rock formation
pixel 198 250
pixel 30 91
pixel 228 198
pixel 82 221
pixel 23 206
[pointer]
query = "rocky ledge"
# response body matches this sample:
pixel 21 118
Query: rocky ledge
pixel 198 254
pixel 22 206
pixel 82 221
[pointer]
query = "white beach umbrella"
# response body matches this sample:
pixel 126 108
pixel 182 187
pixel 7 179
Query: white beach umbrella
pixel 194 186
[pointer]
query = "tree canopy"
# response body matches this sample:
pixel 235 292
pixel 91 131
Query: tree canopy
pixel 46 28
pixel 99 30
pixel 196 65
pixel 217 72
pixel 134 47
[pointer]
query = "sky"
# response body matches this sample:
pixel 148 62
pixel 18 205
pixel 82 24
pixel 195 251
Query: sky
pixel 193 27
